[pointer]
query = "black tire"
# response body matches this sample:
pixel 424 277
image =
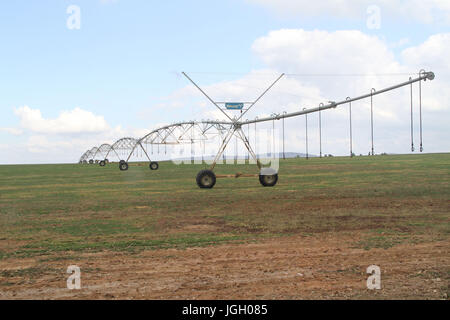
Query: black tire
pixel 123 166
pixel 91 161
pixel 206 179
pixel 154 165
pixel 268 177
pixel 268 180
pixel 102 163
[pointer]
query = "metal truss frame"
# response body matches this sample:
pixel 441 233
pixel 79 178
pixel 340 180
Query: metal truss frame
pixel 194 131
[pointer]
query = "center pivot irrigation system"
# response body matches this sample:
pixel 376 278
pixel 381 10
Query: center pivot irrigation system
pixel 193 131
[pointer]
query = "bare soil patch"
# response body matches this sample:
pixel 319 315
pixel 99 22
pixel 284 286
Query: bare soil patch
pixel 297 267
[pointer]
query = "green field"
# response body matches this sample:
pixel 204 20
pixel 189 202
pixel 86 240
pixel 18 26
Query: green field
pixel 50 210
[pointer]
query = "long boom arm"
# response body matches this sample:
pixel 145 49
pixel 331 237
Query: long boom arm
pixel 422 77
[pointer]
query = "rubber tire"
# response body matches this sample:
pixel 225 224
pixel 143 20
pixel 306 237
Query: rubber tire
pixel 268 180
pixel 206 179
pixel 91 161
pixel 154 165
pixel 123 166
pixel 102 163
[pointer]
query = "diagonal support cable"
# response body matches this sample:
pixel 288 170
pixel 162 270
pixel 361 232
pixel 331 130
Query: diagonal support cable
pixel 204 93
pixel 259 98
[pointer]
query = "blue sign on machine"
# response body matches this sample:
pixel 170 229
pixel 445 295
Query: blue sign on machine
pixel 234 105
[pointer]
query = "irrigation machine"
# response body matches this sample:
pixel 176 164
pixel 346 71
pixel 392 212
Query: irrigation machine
pixel 194 131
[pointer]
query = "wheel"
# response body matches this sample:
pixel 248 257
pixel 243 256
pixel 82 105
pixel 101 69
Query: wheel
pixel 268 181
pixel 123 166
pixel 91 161
pixel 102 163
pixel 268 177
pixel 206 179
pixel 154 165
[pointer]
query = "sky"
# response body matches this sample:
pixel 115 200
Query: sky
pixel 76 74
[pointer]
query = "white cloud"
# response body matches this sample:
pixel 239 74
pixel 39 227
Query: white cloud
pixel 245 88
pixel 433 53
pixel 52 148
pixel 353 52
pixel 300 52
pixel 296 52
pixel 61 139
pixel 68 122
pixel 400 43
pixel 13 131
pixel 42 144
pixel 425 11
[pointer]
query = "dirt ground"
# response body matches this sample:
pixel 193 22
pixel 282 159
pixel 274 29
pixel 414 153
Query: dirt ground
pixel 296 267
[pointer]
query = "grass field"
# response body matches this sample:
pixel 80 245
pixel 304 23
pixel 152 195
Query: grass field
pixel 58 213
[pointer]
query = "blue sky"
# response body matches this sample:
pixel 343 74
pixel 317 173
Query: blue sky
pixel 123 56
pixel 122 62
